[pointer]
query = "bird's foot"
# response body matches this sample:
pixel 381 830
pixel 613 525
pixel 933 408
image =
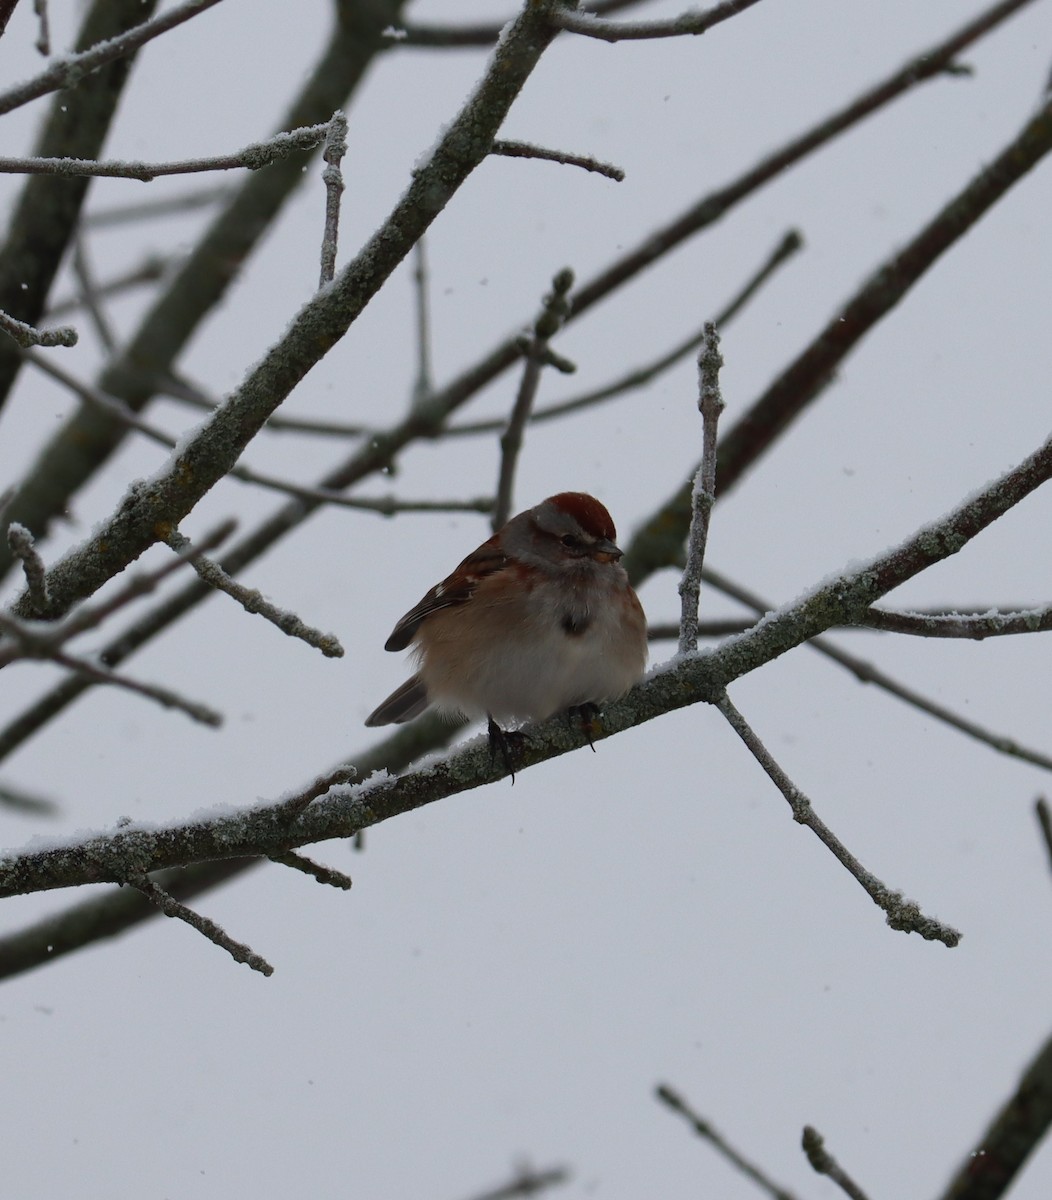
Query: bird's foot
pixel 508 743
pixel 587 716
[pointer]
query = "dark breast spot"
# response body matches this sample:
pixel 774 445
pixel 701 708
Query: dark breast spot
pixel 574 625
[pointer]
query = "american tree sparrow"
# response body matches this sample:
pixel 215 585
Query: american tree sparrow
pixel 539 619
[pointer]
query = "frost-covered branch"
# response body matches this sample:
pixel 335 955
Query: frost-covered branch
pixel 251 600
pixel 976 626
pixel 710 405
pixel 252 157
pixel 867 672
pixel 802 381
pixel 335 149
pixel 26 335
pixel 171 907
pixel 67 71
pixel 586 162
pixel 902 914
pixel 23 547
pixel 690 23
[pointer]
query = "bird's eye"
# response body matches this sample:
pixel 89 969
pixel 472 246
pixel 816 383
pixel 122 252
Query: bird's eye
pixel 571 542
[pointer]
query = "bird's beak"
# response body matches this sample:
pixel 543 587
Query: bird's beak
pixel 605 551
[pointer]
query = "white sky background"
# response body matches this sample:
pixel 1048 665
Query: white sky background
pixel 516 968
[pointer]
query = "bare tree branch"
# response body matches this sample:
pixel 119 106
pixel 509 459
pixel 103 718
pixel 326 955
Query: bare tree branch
pixel 798 385
pixel 976 626
pixel 26 335
pixel 639 376
pixel 710 405
pixel 1011 1138
pixel 526 150
pixel 866 672
pixel 825 1164
pixel 22 546
pixel 902 914
pixel 252 158
pixel 335 149
pixel 329 875
pixel 674 1101
pixel 549 322
pixel 171 907
pixel 689 23
pixel 252 600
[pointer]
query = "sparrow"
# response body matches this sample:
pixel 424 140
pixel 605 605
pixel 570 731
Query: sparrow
pixel 541 618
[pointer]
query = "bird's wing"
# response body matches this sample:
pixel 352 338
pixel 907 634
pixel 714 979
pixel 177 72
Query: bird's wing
pixel 455 589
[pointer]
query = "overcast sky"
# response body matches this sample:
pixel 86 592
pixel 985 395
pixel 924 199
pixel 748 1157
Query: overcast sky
pixel 516 968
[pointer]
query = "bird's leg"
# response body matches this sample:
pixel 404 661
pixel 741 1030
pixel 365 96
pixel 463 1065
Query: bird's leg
pixel 508 742
pixel 587 716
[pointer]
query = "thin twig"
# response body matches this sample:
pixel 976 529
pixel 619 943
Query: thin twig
pixel 335 149
pixel 90 297
pixel 387 506
pixel 43 42
pixel 689 23
pixel 423 382
pixel 171 907
pixel 527 1182
pixel 252 601
pixel 23 547
pixel 710 405
pixel 508 149
pixel 151 269
pixel 251 157
pixel 26 335
pixel 639 376
pixel 69 70
pixel 903 915
pixel 162 206
pixel 300 862
pixel 26 802
pixel 1044 820
pixel 866 672
pixel 553 313
pixel 482 35
pixel 825 1164
pixel 703 1129
pixel 291 806
pixel 90 616
pixel 977 625
pixel 31 642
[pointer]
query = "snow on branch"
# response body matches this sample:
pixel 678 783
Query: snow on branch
pixel 252 157
pixel 687 24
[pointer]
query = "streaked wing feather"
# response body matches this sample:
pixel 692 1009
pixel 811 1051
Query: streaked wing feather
pixel 455 589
